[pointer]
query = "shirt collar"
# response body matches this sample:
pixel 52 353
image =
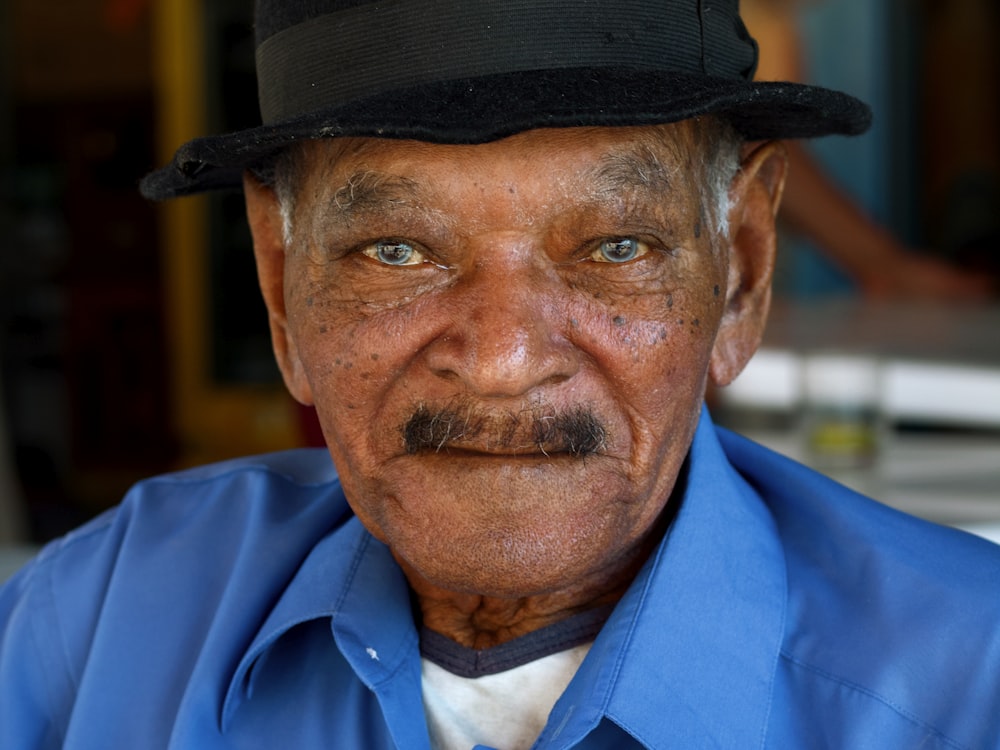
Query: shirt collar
pixel 338 580
pixel 689 656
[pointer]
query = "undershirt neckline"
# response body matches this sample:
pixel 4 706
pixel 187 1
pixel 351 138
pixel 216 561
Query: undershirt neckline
pixel 469 662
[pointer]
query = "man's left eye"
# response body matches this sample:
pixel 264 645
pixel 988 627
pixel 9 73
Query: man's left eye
pixel 394 253
pixel 619 250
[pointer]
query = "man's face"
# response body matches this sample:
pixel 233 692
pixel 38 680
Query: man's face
pixel 507 344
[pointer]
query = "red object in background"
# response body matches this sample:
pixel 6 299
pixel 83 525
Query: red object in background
pixel 312 433
pixel 123 16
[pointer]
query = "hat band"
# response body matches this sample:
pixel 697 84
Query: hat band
pixel 366 50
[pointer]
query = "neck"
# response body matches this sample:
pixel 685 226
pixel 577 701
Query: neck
pixel 480 622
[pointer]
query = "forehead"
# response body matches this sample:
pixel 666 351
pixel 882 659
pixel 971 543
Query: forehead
pixel 582 162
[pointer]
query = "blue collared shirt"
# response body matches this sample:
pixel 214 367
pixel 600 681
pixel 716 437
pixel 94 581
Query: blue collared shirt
pixel 241 605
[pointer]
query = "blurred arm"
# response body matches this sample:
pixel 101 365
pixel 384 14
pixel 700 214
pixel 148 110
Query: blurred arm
pixel 819 209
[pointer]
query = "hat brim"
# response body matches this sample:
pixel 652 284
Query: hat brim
pixel 478 110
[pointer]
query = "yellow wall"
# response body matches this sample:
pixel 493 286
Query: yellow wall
pixel 213 421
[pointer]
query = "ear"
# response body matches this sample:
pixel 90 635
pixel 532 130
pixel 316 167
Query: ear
pixel 755 194
pixel 264 217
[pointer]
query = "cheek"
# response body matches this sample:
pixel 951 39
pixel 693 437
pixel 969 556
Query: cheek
pixel 331 328
pixel 341 362
pixel 668 332
pixel 654 353
pixel 356 360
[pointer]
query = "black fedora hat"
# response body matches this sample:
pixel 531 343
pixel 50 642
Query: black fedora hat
pixel 471 71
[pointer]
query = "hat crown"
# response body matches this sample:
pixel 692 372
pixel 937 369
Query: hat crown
pixel 272 16
pixel 314 54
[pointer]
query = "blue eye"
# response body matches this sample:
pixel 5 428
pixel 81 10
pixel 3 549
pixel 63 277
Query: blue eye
pixel 394 253
pixel 619 250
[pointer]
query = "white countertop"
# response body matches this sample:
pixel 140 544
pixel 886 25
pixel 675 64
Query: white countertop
pixel 950 479
pixel 939 368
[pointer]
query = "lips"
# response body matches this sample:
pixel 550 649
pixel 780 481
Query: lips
pixel 486 451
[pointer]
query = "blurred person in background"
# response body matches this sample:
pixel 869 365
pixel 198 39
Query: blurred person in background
pixel 815 206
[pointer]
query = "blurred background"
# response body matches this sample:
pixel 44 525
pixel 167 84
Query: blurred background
pixel 133 339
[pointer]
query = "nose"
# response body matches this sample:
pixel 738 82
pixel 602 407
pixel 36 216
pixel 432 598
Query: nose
pixel 504 336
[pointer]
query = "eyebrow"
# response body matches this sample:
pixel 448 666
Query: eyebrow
pixel 636 167
pixel 368 191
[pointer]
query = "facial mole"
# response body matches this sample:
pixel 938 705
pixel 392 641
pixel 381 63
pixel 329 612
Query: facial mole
pixel 309 301
pixel 697 229
pixel 716 290
pixel 322 329
pixel 574 323
pixel 374 357
pixel 619 321
pixel 670 301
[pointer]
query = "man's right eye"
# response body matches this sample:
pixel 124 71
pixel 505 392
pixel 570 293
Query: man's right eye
pixel 394 253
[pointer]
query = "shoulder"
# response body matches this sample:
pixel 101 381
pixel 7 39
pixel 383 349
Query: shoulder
pixel 306 467
pixel 825 522
pixel 221 499
pixel 899 612
pixel 242 493
pixel 225 502
pixel 183 555
pixel 774 25
pixel 175 548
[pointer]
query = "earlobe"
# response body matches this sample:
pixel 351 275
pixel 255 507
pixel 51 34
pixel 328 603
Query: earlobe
pixel 266 228
pixel 756 193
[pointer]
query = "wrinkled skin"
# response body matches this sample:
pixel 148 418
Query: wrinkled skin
pixel 507 305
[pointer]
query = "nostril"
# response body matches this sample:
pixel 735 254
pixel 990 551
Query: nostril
pixel 557 379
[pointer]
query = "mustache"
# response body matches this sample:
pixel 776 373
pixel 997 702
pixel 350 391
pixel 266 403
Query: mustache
pixel 577 431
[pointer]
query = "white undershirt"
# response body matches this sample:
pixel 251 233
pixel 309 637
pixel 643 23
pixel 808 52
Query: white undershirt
pixel 507 710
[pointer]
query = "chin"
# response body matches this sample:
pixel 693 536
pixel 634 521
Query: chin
pixel 510 564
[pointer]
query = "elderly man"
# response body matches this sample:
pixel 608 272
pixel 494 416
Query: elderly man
pixel 504 248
